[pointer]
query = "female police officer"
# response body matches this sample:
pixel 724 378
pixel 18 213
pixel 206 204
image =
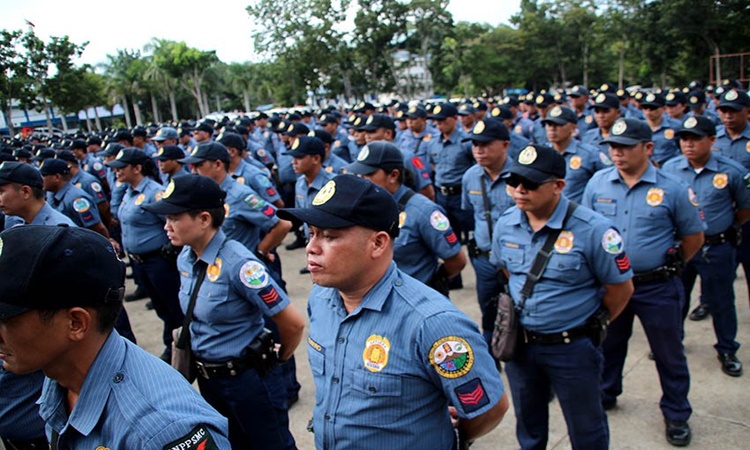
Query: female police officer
pixel 143 238
pixel 426 233
pixel 236 361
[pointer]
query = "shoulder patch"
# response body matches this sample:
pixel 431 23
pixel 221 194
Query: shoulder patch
pixel 471 395
pixel 253 275
pixel 254 201
pixel 98 166
pixel 439 221
pixel 612 241
pixel 158 195
pixel 452 357
pixel 81 205
pixel 96 187
pixel 198 438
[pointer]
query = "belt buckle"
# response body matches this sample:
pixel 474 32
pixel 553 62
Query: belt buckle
pixel 202 371
pixel 135 258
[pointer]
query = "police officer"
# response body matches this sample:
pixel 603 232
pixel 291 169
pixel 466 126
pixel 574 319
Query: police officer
pixel 425 235
pixel 543 103
pixel 723 187
pixel 89 184
pixel 484 195
pixel 387 355
pixel 166 136
pixel 417 139
pixel 581 159
pixel 235 358
pixel 168 158
pixel 579 102
pixel 329 122
pixel 246 173
pixel 560 351
pixel 676 105
pixel 662 128
pixel 98 382
pixel 143 238
pixel 652 210
pixel 331 162
pixel 517 141
pixel 606 110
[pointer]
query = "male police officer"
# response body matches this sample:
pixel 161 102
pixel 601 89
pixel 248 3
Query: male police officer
pixel 565 307
pixel 722 187
pixel 102 390
pixel 388 355
pixel 652 210
pixel 662 128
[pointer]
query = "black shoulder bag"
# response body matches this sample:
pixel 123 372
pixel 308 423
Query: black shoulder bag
pixel 182 354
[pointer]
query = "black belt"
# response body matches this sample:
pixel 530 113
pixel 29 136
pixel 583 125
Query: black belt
pixel 23 444
pixel 660 274
pixel 562 337
pixel 143 257
pixel 450 190
pixel 232 368
pixel 716 239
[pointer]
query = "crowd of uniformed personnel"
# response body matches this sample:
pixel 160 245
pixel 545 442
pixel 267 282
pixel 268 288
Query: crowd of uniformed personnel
pixel 661 175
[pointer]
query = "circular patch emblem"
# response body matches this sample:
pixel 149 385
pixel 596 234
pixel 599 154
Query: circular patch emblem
pixel 539 99
pixel 82 205
pixel 254 275
pixel 575 162
pixel 600 98
pixel 364 153
pixel 731 95
pixel 226 209
pixel 669 133
pixel 651 97
pixel 479 127
pixel 295 144
pixel 370 119
pixel 98 166
pixel 140 199
pixel 325 193
pixel 692 197
pixel 589 119
pixel 241 180
pixel 670 96
pixel 437 109
pixel 1 246
pixel 96 187
pixel 159 195
pixel 603 87
pixel 169 190
pixel 452 357
pixel 290 128
pixel 605 159
pixel 527 156
pixel 261 152
pixel 694 100
pixel 120 154
pixel 375 355
pixel 311 133
pixel 495 112
pixel 721 180
pixel 439 221
pixel 555 112
pixel 691 122
pixel 612 241
pixel 747 147
pixel 214 270
pixel 564 242
pixel 654 196
pixel 401 218
pixel 619 127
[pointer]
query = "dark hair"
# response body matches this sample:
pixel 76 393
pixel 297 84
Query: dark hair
pixel 217 215
pixel 405 177
pixel 149 169
pixel 106 315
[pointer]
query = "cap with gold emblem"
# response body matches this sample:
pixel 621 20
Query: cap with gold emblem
pixel 538 163
pixel 697 126
pixel 189 193
pixel 346 201
pixel 629 132
pixel 488 130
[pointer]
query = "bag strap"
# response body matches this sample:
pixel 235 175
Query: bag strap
pixel 405 199
pixel 542 258
pixel 487 205
pixel 419 142
pixel 182 342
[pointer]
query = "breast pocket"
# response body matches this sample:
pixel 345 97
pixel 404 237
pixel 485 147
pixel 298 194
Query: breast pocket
pixel 513 258
pixel 212 302
pixel 379 393
pixel 606 208
pixel 655 217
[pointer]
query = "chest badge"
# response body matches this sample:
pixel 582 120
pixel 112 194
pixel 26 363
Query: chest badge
pixel 214 270
pixel 140 199
pixel 401 219
pixel 721 180
pixel 564 242
pixel 375 356
pixel 575 162
pixel 669 133
pixel 655 196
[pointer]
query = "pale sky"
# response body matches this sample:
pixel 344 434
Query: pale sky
pixel 227 28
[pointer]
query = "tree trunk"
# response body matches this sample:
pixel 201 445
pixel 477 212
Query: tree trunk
pixel 8 113
pixel 47 114
pixel 137 112
pixel 126 109
pixel 585 63
pixel 173 106
pixel 218 103
pixel 621 71
pixel 88 119
pixel 64 122
pixel 96 119
pixel 155 108
pixel 246 99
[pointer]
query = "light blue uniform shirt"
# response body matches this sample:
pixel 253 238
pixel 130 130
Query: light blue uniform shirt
pixel 539 134
pixel 582 162
pixel 425 235
pixel 517 143
pixel 665 141
pixel 142 231
pixel 418 168
pixel 386 372
pixel 417 144
pixel 335 164
pixel 131 400
pixel 234 296
pixel 19 413
pixel 722 188
pixel 737 149
pixel 451 158
pixel 256 179
pixel 76 204
pixel 90 185
pixel 46 216
pixel 588 254
pixel 94 166
pixel 471 199
pixel 247 215
pixel 652 215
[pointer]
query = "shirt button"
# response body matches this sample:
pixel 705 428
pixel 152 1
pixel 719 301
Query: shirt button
pixel 372 389
pixel 399 283
pixel 327 417
pixel 335 379
pixel 118 377
pixel 340 340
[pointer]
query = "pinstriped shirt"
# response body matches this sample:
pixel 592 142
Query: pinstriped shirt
pixel 131 400
pixel 386 372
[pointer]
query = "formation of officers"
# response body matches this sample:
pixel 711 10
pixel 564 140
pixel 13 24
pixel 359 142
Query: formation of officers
pixel 626 198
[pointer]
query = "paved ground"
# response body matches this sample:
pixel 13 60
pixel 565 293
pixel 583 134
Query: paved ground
pixel 721 404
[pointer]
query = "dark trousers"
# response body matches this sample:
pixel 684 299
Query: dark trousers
pixel 717 270
pixel 255 407
pixel 572 371
pixel 488 288
pixel 162 282
pixel 462 221
pixel 743 254
pixel 658 305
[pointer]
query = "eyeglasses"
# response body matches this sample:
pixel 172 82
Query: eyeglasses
pixel 514 181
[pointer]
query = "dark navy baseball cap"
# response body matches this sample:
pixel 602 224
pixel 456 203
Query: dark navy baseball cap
pixel 233 140
pixel 203 126
pixel 629 132
pixel 377 155
pixel 127 157
pixel 376 121
pixel 488 130
pixel 210 151
pixel 560 115
pixel 606 101
pixel 169 153
pixel 675 98
pixel 112 149
pixel 653 100
pixel 189 193
pixel 502 113
pixel 51 268
pixel 165 133
pixel 734 99
pixel 323 135
pixel 296 129
pixel 54 167
pixel 466 110
pixel 21 173
pixel 442 111
pixel 347 201
pixel 306 145
pixel 698 126
pixel 537 163
pixel 579 91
